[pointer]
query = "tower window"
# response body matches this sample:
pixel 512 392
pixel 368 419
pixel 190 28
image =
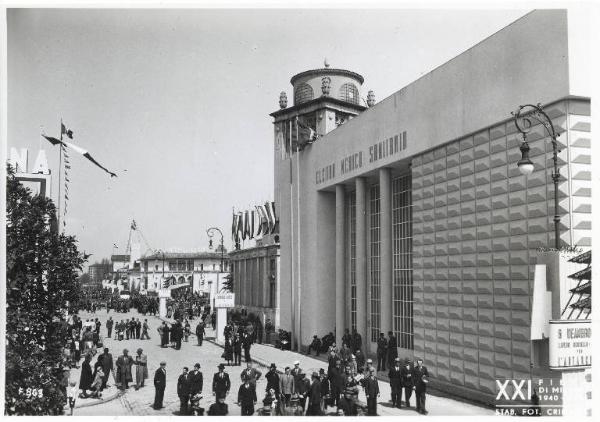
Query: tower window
pixel 349 93
pixel 303 93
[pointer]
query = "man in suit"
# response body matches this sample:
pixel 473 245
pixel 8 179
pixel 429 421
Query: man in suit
pixel 221 383
pixel 356 340
pixel 200 332
pixel 396 383
pixel 381 352
pixel 272 378
pixel 287 385
pixel 138 328
pixel 107 366
pixel 314 396
pixel 196 381
pixel 109 327
pixel 392 349
pixel 247 397
pixel 160 382
pixel 124 375
pixel 372 392
pixel 407 381
pixel 251 373
pixel 183 391
pixel 420 379
pixel 141 369
pixel 296 372
pixel 336 380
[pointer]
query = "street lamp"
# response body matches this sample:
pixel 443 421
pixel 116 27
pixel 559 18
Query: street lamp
pixel 210 233
pixel 524 117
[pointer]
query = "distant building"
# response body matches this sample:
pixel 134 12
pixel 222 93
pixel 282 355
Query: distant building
pixel 255 272
pixel 99 272
pixel 204 272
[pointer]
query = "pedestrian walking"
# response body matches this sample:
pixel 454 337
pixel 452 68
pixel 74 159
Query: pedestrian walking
pixel 407 381
pixel 86 378
pixel 247 397
pixel 372 393
pixel 145 335
pixel 200 332
pixel 196 380
pixel 186 331
pixel 296 372
pixel 107 366
pixel 314 396
pixel 228 351
pixel 302 389
pixel 381 352
pixel 183 391
pixel 141 369
pixel 420 379
pixel 336 379
pixel 138 328
pixel 356 340
pixel 287 385
pixel 160 382
pixel 221 383
pixel 109 327
pixel 72 395
pixel 237 350
pixel 395 376
pixel 250 373
pixel 124 376
pixel 272 378
pixel 247 344
pixel 325 390
pixel 392 346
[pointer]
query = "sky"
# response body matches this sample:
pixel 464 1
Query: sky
pixel 177 102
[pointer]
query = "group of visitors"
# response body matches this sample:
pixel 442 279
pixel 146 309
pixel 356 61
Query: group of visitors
pixel 128 329
pixel 236 339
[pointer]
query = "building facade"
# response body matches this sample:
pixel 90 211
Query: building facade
pixel 204 272
pixel 413 217
pixel 255 272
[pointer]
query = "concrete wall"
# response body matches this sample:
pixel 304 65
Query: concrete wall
pixel 477 226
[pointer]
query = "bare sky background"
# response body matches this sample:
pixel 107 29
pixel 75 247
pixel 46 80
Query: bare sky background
pixel 177 102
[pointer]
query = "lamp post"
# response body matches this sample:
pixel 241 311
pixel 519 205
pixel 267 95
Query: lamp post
pixel 524 117
pixel 210 233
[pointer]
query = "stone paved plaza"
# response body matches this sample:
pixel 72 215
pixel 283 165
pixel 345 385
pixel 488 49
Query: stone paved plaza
pixel 139 402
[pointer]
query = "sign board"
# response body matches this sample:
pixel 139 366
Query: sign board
pixel 224 300
pixel 570 344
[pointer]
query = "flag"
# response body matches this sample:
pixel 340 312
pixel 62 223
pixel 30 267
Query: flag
pixel 80 150
pixel 252 218
pixel 65 131
pixel 115 246
pixel 133 225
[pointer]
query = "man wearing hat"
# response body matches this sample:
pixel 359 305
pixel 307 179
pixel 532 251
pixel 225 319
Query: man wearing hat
pixel 296 372
pixel 247 397
pixel 219 408
pixel 107 366
pixel 160 382
pixel 382 346
pixel 336 380
pixel 272 378
pixel 368 366
pixel 396 383
pixel 196 380
pixel 314 396
pixel 183 391
pixel 420 380
pixel 325 390
pixel 141 368
pixel 302 389
pixel 221 383
pixel 124 376
pixel 407 381
pixel 392 349
pixel 251 373
pixel 372 392
pixel 287 385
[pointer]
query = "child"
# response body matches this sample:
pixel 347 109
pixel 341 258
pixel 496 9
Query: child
pixel 97 384
pixel 72 394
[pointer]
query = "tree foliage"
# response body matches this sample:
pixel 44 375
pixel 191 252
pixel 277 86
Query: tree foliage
pixel 41 272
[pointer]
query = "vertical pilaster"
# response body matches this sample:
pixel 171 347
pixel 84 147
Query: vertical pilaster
pixel 385 189
pixel 340 268
pixel 361 259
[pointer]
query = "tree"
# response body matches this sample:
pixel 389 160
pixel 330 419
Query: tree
pixel 41 273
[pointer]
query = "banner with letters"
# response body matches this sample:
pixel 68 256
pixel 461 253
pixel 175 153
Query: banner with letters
pixel 249 224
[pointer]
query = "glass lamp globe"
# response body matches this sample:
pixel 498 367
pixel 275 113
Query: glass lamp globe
pixel 526 167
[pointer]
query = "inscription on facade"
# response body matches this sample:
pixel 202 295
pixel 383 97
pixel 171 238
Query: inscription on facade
pixel 383 149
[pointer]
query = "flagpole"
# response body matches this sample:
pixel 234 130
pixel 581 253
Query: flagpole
pixel 59 174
